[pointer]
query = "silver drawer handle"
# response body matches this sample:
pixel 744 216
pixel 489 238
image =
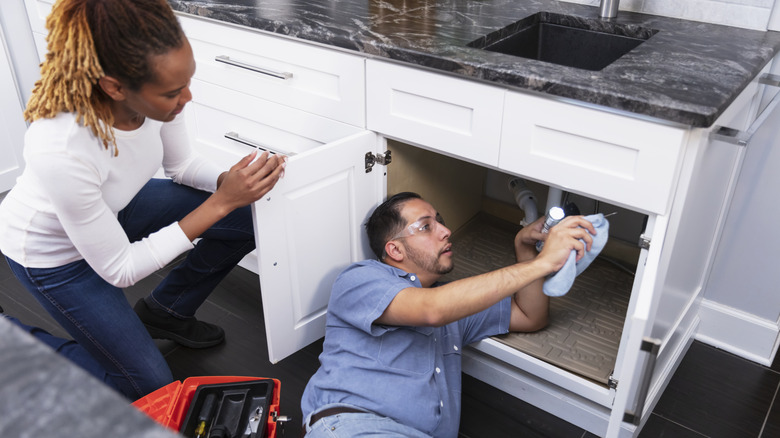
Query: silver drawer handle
pixel 226 59
pixel 742 138
pixel 237 138
pixel 769 79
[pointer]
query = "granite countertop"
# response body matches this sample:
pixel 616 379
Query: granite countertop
pixel 688 72
pixel 43 394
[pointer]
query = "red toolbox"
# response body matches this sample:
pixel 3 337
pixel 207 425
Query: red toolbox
pixel 217 406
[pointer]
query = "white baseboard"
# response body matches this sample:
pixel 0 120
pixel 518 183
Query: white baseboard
pixel 738 332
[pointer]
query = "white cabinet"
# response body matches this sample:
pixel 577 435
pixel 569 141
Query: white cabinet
pixel 672 174
pixel 37 11
pixel 11 122
pixel 741 306
pixel 308 228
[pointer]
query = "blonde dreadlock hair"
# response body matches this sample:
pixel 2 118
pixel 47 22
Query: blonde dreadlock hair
pixel 89 39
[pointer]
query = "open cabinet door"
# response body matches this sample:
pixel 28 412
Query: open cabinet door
pixel 634 372
pixel 308 229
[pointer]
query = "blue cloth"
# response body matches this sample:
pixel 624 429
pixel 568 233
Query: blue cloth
pixel 409 374
pixel 97 314
pixel 558 284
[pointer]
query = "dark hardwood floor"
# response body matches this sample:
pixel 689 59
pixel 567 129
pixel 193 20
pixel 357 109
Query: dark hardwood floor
pixel 713 393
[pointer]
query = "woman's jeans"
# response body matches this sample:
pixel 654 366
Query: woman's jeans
pixel 113 344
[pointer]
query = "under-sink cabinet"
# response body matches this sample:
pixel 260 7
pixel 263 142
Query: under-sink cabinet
pixel 357 129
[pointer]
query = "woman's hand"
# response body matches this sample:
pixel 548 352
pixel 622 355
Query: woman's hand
pixel 247 181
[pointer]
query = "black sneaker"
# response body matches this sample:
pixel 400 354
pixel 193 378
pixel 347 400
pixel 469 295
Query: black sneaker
pixel 188 332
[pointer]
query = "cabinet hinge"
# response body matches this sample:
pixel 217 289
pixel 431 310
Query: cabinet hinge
pixel 644 242
pixel 383 159
pixel 612 382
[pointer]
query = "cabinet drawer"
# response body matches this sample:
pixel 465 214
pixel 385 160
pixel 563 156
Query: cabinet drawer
pixel 455 116
pixel 320 81
pixel 226 124
pixel 632 162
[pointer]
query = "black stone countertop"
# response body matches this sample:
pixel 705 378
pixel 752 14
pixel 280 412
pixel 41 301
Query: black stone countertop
pixel 688 72
pixel 43 394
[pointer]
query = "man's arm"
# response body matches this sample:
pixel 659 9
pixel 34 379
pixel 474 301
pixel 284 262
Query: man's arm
pixel 530 306
pixel 453 301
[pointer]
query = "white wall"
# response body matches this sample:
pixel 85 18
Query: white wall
pixel 750 14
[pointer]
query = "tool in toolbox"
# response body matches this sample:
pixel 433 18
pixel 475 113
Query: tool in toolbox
pixel 218 407
pixel 253 423
pixel 204 418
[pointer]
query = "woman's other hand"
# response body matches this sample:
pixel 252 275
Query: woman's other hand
pixel 250 179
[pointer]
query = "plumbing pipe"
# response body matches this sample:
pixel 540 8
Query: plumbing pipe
pixel 608 8
pixel 524 198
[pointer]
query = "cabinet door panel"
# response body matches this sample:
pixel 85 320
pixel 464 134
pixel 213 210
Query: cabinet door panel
pixel 629 162
pixel 454 116
pixel 308 229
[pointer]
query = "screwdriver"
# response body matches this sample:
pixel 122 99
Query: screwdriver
pixel 205 414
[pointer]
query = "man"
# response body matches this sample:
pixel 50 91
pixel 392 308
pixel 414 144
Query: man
pixel 391 362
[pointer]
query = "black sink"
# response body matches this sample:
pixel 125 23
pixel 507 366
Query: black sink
pixel 585 43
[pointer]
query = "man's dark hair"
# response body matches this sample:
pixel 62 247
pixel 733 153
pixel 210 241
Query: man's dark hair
pixel 386 221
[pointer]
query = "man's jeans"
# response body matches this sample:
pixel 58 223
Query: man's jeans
pixel 357 424
pixel 97 314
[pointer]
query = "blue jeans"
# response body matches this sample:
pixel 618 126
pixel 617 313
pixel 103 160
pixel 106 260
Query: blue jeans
pixel 358 424
pixel 97 314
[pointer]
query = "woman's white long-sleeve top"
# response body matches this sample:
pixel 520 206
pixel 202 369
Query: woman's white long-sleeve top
pixel 64 205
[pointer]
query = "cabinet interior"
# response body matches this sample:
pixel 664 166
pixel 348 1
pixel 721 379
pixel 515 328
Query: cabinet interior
pixel 587 323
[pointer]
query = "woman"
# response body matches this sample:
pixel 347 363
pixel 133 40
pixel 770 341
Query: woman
pixel 86 218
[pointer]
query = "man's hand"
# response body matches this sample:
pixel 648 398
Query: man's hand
pixel 572 233
pixel 525 240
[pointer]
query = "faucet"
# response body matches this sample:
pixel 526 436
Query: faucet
pixel 608 8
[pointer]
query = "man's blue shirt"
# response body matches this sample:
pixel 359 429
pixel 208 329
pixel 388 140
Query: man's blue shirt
pixel 410 374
